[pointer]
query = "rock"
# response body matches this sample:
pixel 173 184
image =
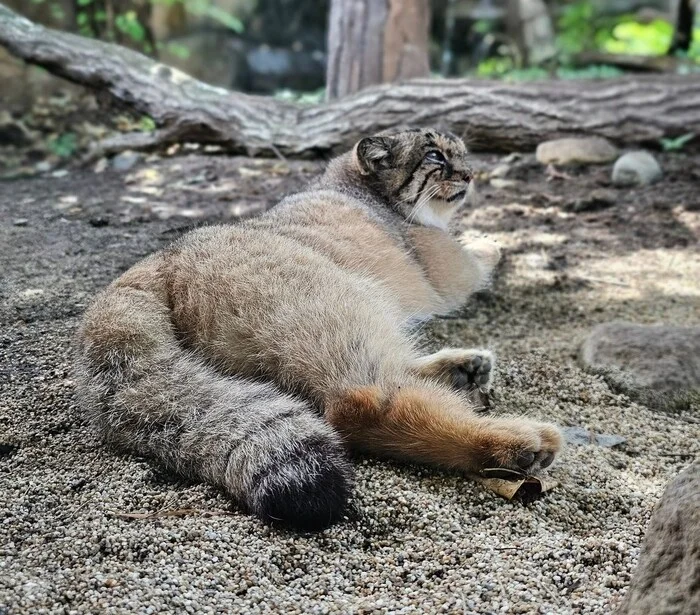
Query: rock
pixel 98 221
pixel 101 165
pixel 20 221
pixel 636 169
pixel 658 365
pixel 500 184
pixel 125 160
pixel 596 200
pixel 588 150
pixel 666 579
pixel 500 171
pixel 512 157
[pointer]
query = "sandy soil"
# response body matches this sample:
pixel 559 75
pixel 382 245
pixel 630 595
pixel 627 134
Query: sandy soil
pixel 418 540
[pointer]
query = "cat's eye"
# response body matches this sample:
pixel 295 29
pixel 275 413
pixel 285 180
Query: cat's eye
pixel 435 156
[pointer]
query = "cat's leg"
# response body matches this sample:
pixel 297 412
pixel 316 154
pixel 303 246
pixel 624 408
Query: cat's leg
pixel 461 368
pixel 486 252
pixel 426 422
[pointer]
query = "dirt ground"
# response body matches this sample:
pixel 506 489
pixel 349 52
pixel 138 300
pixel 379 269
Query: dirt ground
pixel 577 252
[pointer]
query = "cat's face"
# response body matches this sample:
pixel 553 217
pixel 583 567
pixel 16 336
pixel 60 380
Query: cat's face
pixel 423 174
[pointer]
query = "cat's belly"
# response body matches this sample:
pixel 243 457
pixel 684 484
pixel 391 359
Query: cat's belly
pixel 261 305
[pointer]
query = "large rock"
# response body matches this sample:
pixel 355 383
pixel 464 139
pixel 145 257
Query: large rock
pixel 667 579
pixel 658 365
pixel 636 169
pixel 587 150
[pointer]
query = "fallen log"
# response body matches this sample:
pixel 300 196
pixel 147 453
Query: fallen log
pixel 491 115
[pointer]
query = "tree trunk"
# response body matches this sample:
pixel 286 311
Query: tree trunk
pixel 491 115
pixel 683 35
pixel 376 41
pixel 530 26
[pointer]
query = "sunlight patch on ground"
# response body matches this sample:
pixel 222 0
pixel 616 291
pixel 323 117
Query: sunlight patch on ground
pixel 660 272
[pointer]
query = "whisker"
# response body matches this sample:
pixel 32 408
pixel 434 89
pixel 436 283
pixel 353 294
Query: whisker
pixel 422 202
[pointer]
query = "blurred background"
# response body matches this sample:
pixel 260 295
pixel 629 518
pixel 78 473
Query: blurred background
pixel 281 47
pixel 311 50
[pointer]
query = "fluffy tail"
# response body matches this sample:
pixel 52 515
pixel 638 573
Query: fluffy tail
pixel 143 392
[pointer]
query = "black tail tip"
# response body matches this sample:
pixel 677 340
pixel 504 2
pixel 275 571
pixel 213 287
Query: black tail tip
pixel 307 494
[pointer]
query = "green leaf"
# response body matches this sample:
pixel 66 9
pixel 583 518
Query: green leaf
pixel 84 2
pixel 205 8
pixel 128 23
pixel 482 26
pixel 677 144
pixel 57 12
pixel 224 18
pixel 147 124
pixel 64 145
pixel 179 51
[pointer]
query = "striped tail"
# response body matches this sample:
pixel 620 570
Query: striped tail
pixel 144 393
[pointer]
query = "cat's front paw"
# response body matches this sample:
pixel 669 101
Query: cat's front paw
pixel 473 370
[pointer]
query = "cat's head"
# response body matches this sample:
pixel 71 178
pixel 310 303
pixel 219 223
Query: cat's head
pixel 422 173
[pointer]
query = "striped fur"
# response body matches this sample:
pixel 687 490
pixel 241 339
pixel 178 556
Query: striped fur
pixel 144 393
pixel 250 356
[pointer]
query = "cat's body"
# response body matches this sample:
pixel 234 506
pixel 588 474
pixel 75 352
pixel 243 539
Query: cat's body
pixel 251 355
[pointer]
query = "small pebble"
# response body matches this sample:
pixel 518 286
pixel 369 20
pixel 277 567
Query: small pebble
pixel 125 161
pixel 500 171
pixel 636 169
pixel 501 184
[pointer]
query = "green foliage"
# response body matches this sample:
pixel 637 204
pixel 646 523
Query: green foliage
pixel 503 67
pixel 91 19
pixel 64 145
pixel 631 37
pixel 305 98
pixel 580 29
pixel 677 144
pixel 179 51
pixel 593 71
pixel 147 124
pixel 576 27
pixel 496 66
pixel 128 23
pixel 482 26
pixel 206 8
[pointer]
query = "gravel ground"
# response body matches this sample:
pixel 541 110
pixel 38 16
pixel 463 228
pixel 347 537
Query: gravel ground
pixel 418 540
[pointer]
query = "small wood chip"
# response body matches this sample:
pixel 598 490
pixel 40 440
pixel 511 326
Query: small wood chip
pixel 509 483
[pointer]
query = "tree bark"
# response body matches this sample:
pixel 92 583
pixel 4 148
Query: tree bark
pixel 490 115
pixel 376 41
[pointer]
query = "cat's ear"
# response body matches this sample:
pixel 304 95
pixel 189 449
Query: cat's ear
pixel 373 154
